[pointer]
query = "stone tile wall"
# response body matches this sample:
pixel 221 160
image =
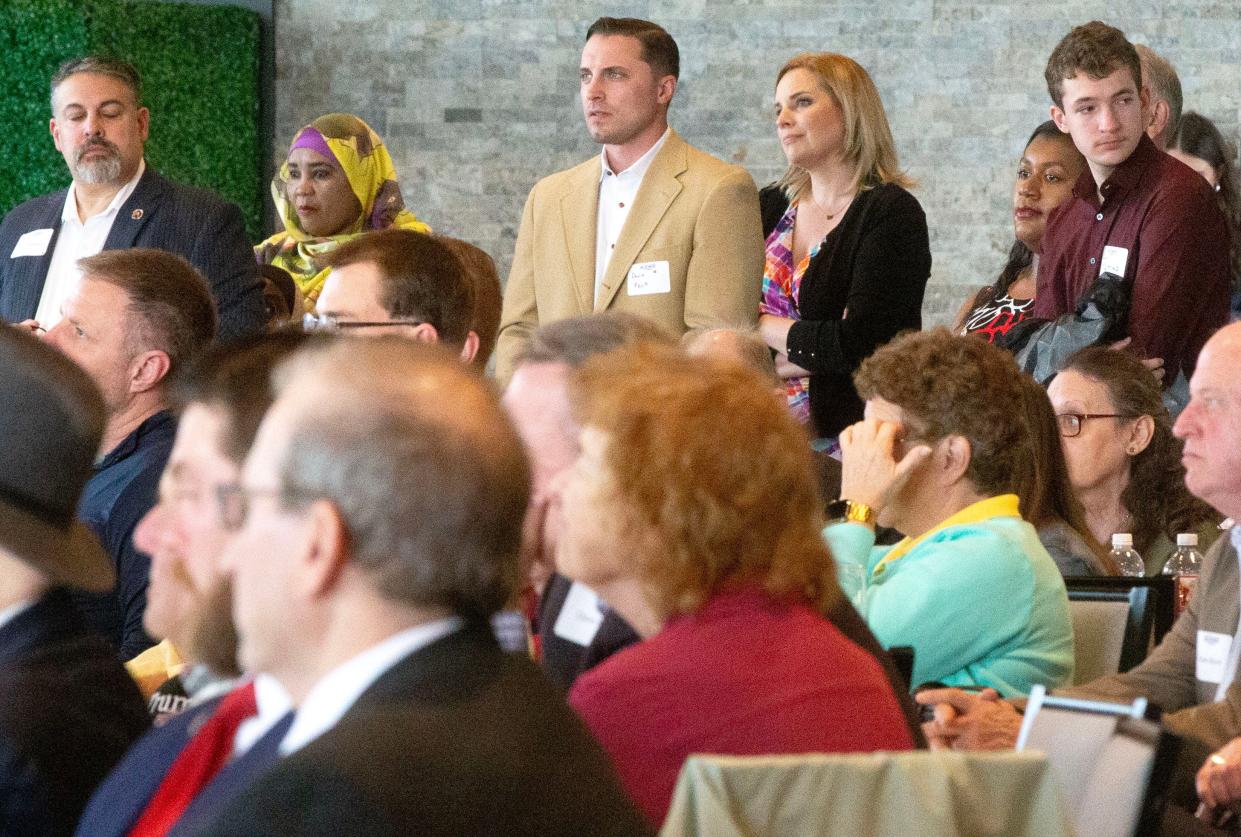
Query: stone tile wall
pixel 477 99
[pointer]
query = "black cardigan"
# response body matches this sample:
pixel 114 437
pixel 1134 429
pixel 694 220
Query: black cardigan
pixel 874 265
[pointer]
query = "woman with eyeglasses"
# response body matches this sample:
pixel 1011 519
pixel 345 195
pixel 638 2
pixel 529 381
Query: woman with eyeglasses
pixel 1124 462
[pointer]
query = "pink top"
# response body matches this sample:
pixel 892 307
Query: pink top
pixel 745 675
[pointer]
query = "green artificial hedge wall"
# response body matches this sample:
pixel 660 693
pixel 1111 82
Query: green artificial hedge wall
pixel 200 73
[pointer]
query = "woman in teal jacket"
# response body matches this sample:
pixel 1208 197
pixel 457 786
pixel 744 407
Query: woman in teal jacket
pixel 971 588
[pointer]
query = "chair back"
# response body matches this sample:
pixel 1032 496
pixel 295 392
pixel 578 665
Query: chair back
pixel 931 794
pixel 1112 764
pixel 1116 621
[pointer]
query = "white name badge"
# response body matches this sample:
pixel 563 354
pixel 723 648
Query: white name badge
pixel 1212 656
pixel 33 243
pixel 649 278
pixel 581 616
pixel 1114 261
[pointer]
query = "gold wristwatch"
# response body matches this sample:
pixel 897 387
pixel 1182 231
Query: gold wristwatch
pixel 848 511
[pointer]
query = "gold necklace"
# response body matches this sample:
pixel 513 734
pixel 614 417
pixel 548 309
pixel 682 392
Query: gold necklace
pixel 831 215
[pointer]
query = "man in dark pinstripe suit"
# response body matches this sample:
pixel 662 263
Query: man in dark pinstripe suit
pixel 116 202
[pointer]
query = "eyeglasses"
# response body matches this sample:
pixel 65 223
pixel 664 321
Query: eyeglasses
pixel 233 502
pixel 1071 423
pixel 312 322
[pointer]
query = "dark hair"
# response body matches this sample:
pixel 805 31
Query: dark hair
pixel 421 279
pixel 1020 256
pixel 1197 135
pixel 1047 495
pixel 279 293
pixel 170 304
pixel 103 65
pixel 575 340
pixel 1156 496
pixel 659 50
pixel 235 379
pixel 488 295
pixel 1094 48
pixel 954 385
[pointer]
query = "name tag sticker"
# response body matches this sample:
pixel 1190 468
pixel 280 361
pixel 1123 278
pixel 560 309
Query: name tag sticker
pixel 1212 656
pixel 33 243
pixel 581 616
pixel 649 278
pixel 1114 261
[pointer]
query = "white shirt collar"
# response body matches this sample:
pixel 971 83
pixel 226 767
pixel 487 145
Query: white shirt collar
pixel 69 213
pixel 13 611
pixel 638 170
pixel 337 691
pixel 1234 535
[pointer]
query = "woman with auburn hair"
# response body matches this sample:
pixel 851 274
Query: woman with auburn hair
pixel 1124 463
pixel 1046 494
pixel 337 183
pixel 701 528
pixel 848 254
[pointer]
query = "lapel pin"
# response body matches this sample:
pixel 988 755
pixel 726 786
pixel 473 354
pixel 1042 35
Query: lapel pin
pixel 136 215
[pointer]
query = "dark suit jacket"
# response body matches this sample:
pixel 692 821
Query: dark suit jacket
pixel 458 739
pixel 123 796
pixel 190 222
pixel 68 712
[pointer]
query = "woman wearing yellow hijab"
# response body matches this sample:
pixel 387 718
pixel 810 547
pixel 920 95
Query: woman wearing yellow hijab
pixel 337 183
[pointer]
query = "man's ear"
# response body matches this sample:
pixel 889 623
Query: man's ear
pixel 665 89
pixel 326 550
pixel 1057 116
pixel 149 370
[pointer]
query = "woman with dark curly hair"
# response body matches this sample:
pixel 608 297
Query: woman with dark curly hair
pixel 1124 462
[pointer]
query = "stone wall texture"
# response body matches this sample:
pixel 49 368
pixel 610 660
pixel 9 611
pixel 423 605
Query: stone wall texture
pixel 477 99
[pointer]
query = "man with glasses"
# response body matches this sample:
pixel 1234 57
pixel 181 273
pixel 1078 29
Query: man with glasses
pixel 189 605
pixel 135 318
pixel 398 282
pixel 382 506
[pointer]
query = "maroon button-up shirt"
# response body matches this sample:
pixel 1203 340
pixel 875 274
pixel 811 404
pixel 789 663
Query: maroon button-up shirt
pixel 1164 215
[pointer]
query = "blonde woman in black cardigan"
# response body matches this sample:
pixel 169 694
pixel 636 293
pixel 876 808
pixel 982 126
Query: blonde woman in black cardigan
pixel 848 255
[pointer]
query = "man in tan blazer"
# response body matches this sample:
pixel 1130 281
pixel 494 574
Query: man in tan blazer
pixel 653 226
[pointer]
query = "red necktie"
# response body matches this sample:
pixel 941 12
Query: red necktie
pixel 198 763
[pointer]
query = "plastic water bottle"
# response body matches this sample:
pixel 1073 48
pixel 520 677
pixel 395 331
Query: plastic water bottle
pixel 1126 557
pixel 1184 567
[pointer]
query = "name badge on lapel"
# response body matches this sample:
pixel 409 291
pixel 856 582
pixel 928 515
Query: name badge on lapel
pixel 649 278
pixel 33 243
pixel 581 616
pixel 1212 662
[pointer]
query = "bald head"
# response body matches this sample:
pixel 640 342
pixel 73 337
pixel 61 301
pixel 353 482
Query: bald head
pixel 744 347
pixel 1210 424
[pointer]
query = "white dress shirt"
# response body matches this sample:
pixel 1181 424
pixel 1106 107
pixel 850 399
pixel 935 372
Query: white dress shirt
pixel 77 240
pixel 334 694
pixel 273 703
pixel 617 192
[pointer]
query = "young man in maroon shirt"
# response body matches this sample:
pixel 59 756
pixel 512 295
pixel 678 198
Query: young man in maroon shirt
pixel 1135 212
